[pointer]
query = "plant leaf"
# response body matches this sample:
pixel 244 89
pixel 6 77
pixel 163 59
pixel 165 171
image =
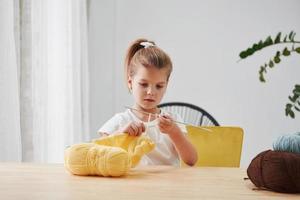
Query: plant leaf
pixel 261 69
pixel 250 51
pixel 292 99
pixel 291 34
pixel 271 64
pixel 261 77
pixel 268 41
pixel 296 91
pixel 289 106
pixel 255 47
pixel 243 54
pixel 286 52
pixel 277 60
pixel 292 114
pixel 277 53
pixel 260 45
pixel 277 39
pixel 288 111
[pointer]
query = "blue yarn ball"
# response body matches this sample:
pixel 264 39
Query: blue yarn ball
pixel 288 143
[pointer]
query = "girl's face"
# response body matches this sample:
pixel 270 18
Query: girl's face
pixel 148 86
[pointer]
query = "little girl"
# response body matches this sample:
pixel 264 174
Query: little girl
pixel 147 71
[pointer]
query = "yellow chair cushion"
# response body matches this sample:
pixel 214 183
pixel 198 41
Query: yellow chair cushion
pixel 108 156
pixel 217 146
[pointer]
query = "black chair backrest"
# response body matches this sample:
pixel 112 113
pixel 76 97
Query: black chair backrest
pixel 190 113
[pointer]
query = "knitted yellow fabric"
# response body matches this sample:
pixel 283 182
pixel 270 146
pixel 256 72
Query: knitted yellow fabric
pixel 135 146
pixel 108 156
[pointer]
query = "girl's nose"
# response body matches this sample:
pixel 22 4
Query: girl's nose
pixel 150 91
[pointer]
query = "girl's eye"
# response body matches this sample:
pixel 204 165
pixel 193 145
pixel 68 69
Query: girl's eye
pixel 159 86
pixel 144 84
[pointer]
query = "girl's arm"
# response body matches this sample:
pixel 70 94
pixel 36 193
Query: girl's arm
pixel 183 146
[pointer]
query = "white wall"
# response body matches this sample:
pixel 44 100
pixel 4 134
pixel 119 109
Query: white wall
pixel 101 25
pixel 204 39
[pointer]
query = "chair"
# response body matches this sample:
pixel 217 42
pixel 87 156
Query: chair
pixel 190 113
pixel 217 146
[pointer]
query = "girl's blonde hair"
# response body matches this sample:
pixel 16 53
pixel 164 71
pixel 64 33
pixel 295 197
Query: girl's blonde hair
pixel 147 55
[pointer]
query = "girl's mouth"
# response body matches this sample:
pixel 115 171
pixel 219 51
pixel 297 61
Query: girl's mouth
pixel 149 100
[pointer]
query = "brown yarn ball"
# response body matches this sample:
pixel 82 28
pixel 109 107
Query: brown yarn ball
pixel 276 170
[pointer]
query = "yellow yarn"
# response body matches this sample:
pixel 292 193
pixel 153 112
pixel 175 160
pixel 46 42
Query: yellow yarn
pixel 93 159
pixel 108 156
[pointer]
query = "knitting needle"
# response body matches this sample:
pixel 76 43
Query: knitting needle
pixel 148 113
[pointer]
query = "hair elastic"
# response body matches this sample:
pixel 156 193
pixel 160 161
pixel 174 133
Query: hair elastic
pixel 147 44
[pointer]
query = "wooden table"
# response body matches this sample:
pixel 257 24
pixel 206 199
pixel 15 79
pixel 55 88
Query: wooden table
pixel 50 181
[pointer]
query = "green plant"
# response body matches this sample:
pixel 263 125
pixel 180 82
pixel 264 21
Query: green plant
pixel 293 47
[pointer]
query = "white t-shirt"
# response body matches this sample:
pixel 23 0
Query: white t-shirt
pixel 164 152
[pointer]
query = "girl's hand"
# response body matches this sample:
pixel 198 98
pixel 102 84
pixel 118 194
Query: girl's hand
pixel 166 124
pixel 134 128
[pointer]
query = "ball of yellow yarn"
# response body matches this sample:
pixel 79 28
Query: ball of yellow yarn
pixel 93 159
pixel 108 156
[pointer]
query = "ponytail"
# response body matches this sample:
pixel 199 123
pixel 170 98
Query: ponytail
pixel 134 47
